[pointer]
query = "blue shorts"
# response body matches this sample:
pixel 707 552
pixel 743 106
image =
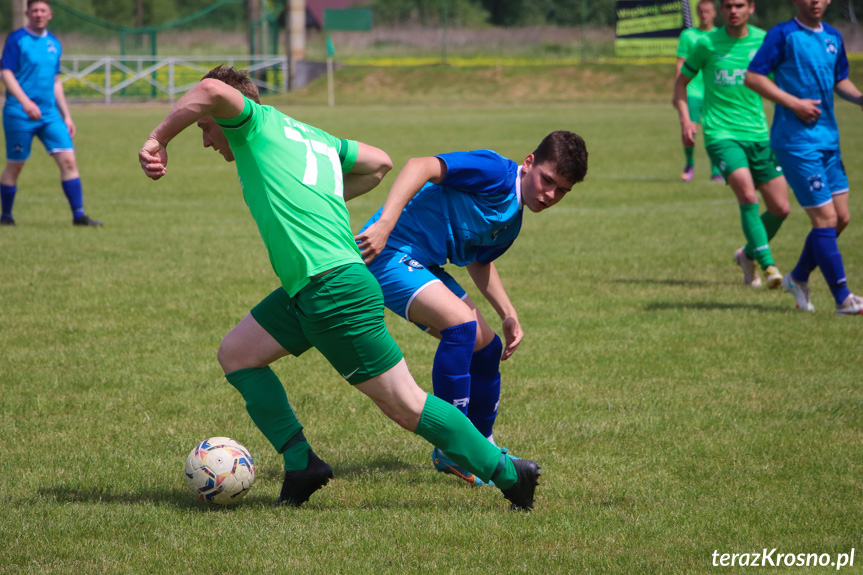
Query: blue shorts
pixel 814 175
pixel 402 278
pixel 51 130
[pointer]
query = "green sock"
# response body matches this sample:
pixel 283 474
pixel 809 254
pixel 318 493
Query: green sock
pixel 690 160
pixel 756 247
pixel 771 224
pixel 447 428
pixel 267 404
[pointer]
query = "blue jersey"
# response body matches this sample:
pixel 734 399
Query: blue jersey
pixel 474 214
pixel 807 64
pixel 35 62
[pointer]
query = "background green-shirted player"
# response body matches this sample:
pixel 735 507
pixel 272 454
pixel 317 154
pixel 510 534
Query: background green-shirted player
pixel 736 134
pixel 295 180
pixel 695 90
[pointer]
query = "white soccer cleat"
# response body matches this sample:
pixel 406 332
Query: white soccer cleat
pixel 750 273
pixel 800 291
pixel 853 305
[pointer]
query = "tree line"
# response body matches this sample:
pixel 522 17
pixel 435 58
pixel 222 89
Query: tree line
pixel 432 13
pixel 515 13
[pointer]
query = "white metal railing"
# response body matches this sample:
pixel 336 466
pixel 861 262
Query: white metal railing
pixel 113 77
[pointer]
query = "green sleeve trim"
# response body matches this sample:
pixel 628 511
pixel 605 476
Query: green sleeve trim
pixel 239 120
pixel 348 152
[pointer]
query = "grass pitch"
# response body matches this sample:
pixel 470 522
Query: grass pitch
pixel 675 412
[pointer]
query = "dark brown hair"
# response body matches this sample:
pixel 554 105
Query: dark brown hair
pixel 234 78
pixel 566 151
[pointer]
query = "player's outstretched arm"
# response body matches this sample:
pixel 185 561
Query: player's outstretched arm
pixel 210 97
pixel 13 87
pixel 849 92
pixel 688 128
pixel 371 166
pixel 488 282
pixel 807 110
pixel 413 176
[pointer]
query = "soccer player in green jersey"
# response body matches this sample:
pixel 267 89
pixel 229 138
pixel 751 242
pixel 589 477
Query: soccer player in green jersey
pixel 695 90
pixel 295 180
pixel 736 134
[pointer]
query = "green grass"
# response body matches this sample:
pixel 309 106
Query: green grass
pixel 674 411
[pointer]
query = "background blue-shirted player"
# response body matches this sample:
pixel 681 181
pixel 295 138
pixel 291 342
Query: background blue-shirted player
pixel 464 208
pixel 808 62
pixel 36 106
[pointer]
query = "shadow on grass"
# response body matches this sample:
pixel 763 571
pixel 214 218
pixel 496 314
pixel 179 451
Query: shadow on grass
pixel 382 464
pixel 182 500
pixel 718 306
pixel 179 498
pixel 668 282
pixel 641 179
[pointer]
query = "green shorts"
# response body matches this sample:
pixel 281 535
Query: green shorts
pixel 342 315
pixel 732 155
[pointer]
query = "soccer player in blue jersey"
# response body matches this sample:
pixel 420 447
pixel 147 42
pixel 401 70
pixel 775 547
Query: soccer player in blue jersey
pixel 36 106
pixel 464 208
pixel 808 62
pixel 295 180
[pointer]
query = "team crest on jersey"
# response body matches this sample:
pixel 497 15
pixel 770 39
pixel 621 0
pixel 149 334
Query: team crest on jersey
pixel 831 45
pixel 52 48
pixel 815 183
pixel 411 263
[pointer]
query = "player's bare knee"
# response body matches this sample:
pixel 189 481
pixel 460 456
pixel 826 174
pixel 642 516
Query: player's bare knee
pixel 842 221
pixel 11 173
pixel 781 211
pixel 230 356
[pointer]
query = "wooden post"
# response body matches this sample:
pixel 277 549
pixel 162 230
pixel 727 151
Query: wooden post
pixel 254 15
pixel 295 27
pixel 19 16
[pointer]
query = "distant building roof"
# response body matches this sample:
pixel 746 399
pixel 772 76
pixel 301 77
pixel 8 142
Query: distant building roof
pixel 316 8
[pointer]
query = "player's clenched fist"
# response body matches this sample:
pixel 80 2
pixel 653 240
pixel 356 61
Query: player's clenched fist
pixel 153 157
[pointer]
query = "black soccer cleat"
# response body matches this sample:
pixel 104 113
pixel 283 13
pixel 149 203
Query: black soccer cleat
pixel 7 221
pixel 299 485
pixel 85 220
pixel 521 494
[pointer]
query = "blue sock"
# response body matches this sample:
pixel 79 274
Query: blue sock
pixel 485 386
pixel 451 368
pixel 7 198
pixel 829 259
pixel 807 261
pixel 75 194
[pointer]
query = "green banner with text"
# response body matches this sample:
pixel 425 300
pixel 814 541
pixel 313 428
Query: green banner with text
pixel 650 27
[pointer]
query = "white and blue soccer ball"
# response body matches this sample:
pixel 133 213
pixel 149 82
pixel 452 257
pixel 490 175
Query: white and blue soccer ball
pixel 219 470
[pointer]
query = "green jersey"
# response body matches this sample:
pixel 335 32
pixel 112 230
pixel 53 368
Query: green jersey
pixel 731 110
pixel 687 41
pixel 292 179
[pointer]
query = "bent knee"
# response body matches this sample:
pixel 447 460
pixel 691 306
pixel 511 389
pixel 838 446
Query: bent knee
pixel 230 355
pixel 842 223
